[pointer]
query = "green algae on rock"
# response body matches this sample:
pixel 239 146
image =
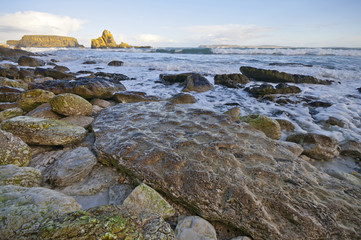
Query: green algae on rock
pixel 21 176
pixel 145 198
pixel 107 222
pixel 69 104
pixel 34 98
pixel 39 131
pixel 269 126
pixel 23 210
pixel 10 113
pixel 13 150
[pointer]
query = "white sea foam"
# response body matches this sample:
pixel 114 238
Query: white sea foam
pixel 341 65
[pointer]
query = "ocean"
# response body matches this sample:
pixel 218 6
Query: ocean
pixel 342 65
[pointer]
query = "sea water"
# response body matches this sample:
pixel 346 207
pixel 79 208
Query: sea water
pixel 342 65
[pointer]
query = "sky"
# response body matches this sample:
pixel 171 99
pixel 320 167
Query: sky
pixel 189 23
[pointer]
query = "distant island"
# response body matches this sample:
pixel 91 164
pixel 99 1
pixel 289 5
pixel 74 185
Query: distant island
pixel 44 41
pixel 107 41
pixel 239 46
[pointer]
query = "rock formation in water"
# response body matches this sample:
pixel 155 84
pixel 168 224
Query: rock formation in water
pixel 43 41
pixel 107 41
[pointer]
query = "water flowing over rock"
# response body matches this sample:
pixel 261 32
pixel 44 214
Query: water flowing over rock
pixel 23 210
pixel 45 41
pixel 274 76
pixel 266 89
pixel 107 222
pixel 85 87
pixel 225 171
pixel 41 131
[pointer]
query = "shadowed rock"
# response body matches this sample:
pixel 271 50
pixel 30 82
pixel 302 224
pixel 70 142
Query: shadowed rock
pixel 30 61
pixel 197 83
pixel 85 87
pixel 231 80
pixel 275 76
pixel 227 172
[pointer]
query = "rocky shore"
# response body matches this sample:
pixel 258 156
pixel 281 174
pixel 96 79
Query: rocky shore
pixel 82 157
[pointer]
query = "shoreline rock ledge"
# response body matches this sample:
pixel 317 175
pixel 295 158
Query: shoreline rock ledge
pixel 227 172
pixel 45 41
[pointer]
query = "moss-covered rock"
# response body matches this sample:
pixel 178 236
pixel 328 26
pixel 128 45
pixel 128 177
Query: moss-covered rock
pixel 145 198
pixel 34 98
pixel 9 97
pixel 269 126
pixel 41 131
pixel 69 104
pixel 13 83
pixel 10 113
pixel 23 210
pixel 13 150
pixel 44 111
pixel 107 222
pixel 21 176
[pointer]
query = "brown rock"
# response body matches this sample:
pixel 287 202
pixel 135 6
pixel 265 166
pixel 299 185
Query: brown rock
pixel 132 97
pixel 182 98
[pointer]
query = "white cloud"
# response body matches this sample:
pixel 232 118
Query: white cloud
pixel 144 39
pixel 14 26
pixel 226 34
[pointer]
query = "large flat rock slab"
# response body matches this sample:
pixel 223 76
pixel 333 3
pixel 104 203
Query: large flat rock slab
pixel 227 172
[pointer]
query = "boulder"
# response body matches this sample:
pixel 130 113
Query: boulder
pixel 13 150
pixel 275 76
pixel 71 166
pixel 43 111
pixel 13 54
pixel 89 62
pixel 53 73
pixel 101 102
pixel 195 228
pixel 34 98
pixel 13 83
pixel 197 83
pixel 175 78
pixel 41 131
pixel 266 89
pixel 286 125
pixel 87 88
pixel 234 80
pixel 20 176
pixel 144 198
pixel 107 222
pixel 269 126
pixel 227 172
pixel 319 104
pixel 316 146
pixel 234 112
pixel 112 76
pixel 12 72
pixel 30 61
pixel 23 210
pixel 182 98
pixel 8 105
pixel 82 121
pixel 10 113
pixel 115 63
pixel 351 149
pixel 61 68
pixel 9 97
pixel 132 97
pixel 69 104
pixel 359 89
pixel 7 89
pixel 45 41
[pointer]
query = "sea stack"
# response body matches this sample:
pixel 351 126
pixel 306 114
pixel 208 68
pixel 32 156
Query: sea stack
pixel 107 41
pixel 44 41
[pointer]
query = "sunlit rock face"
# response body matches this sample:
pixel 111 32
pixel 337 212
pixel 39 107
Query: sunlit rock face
pixel 227 171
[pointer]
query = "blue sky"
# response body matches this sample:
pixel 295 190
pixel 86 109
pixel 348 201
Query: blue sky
pixel 303 23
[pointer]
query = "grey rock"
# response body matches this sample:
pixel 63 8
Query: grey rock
pixel 195 228
pixel 82 121
pixel 226 172
pixel 71 166
pixel 182 98
pixel 198 83
pixel 43 111
pixel 30 61
pixel 351 149
pixel 132 97
pixel 231 80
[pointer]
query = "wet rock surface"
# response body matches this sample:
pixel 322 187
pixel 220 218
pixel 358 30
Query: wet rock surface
pixel 69 104
pixel 266 89
pixel 182 98
pixel 21 176
pixel 226 172
pixel 13 150
pixel 197 83
pixel 275 76
pixel 85 87
pixel 133 97
pixel 231 80
pixel 30 61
